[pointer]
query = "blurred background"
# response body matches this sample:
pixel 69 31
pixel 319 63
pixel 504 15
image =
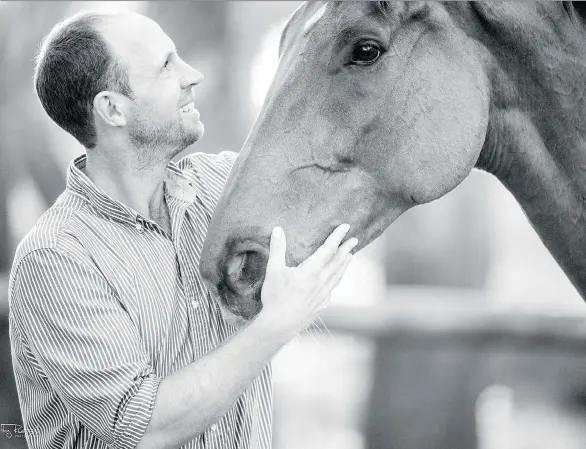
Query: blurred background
pixel 455 329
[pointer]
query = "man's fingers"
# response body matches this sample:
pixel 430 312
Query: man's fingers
pixel 339 274
pixel 339 258
pixel 347 247
pixel 277 249
pixel 325 252
pixel 333 281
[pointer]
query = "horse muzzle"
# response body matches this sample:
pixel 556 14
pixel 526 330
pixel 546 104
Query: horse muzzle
pixel 239 276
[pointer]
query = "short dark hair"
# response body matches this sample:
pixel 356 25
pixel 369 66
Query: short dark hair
pixel 74 64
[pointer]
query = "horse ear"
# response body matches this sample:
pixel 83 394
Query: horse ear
pixel 414 10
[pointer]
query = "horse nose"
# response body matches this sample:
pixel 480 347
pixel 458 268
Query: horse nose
pixel 241 278
pixel 244 271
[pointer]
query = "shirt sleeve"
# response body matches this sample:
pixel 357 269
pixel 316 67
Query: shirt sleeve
pixel 209 172
pixel 87 345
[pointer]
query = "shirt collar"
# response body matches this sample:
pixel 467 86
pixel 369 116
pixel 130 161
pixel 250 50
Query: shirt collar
pixel 176 185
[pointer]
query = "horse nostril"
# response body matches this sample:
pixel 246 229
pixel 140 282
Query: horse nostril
pixel 243 277
pixel 245 270
pixel 234 267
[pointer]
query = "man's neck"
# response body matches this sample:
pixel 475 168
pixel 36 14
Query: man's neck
pixel 126 180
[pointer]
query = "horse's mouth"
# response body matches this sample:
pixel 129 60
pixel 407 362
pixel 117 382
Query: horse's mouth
pixel 241 279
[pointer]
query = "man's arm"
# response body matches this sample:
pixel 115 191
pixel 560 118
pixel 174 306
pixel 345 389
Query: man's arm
pixel 88 347
pixel 193 398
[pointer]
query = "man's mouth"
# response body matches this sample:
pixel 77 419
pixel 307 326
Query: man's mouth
pixel 189 108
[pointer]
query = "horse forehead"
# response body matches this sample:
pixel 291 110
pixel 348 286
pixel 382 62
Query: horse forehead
pixel 314 11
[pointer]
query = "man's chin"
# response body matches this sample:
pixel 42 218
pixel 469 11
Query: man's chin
pixel 199 130
pixel 192 134
pixel 196 132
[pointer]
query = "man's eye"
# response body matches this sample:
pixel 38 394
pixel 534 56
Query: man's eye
pixel 166 64
pixel 366 53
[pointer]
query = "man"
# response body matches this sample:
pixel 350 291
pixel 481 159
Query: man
pixel 116 342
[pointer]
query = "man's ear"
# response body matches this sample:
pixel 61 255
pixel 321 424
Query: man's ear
pixel 111 108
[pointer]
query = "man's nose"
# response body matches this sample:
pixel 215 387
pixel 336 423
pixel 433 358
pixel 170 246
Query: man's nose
pixel 192 77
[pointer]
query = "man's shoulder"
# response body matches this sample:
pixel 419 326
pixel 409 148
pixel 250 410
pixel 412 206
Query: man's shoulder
pixel 206 162
pixel 51 229
pixel 208 173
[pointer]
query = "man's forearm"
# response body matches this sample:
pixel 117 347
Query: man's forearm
pixel 195 397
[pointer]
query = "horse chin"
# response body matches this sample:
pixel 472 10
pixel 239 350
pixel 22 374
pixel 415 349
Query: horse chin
pixel 239 317
pixel 245 306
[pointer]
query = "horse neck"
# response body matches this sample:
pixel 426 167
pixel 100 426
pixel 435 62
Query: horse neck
pixel 536 139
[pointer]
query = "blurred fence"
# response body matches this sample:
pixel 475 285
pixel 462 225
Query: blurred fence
pixel 439 350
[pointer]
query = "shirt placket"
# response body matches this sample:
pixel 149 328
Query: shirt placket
pixel 202 320
pixel 201 328
pixel 215 439
pixel 197 311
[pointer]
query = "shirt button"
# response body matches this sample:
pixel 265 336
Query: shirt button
pixel 195 304
pixel 214 427
pixel 138 227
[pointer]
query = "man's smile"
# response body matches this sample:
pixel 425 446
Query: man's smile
pixel 189 108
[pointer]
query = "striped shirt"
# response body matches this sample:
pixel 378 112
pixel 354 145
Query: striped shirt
pixel 104 304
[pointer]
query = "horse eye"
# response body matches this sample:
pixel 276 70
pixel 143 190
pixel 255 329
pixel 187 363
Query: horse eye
pixel 366 53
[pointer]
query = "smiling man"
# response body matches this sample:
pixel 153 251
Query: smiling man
pixel 116 342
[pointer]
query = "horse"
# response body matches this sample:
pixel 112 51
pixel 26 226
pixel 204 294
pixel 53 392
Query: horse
pixel 377 107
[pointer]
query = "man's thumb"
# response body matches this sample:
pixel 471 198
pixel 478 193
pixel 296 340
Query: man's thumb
pixel 278 249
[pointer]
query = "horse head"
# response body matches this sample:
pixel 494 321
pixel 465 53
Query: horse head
pixel 375 107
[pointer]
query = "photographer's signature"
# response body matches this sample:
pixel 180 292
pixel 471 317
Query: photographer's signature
pixel 13 430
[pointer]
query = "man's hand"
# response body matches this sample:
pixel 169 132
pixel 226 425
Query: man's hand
pixel 196 396
pixel 292 297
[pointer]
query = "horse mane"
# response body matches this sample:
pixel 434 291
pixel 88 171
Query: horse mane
pixel 576 11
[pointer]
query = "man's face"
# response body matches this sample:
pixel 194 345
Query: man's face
pixel 162 118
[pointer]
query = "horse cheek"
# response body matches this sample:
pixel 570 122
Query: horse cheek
pixel 452 110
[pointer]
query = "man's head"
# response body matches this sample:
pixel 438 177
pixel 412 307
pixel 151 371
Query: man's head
pixel 117 77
